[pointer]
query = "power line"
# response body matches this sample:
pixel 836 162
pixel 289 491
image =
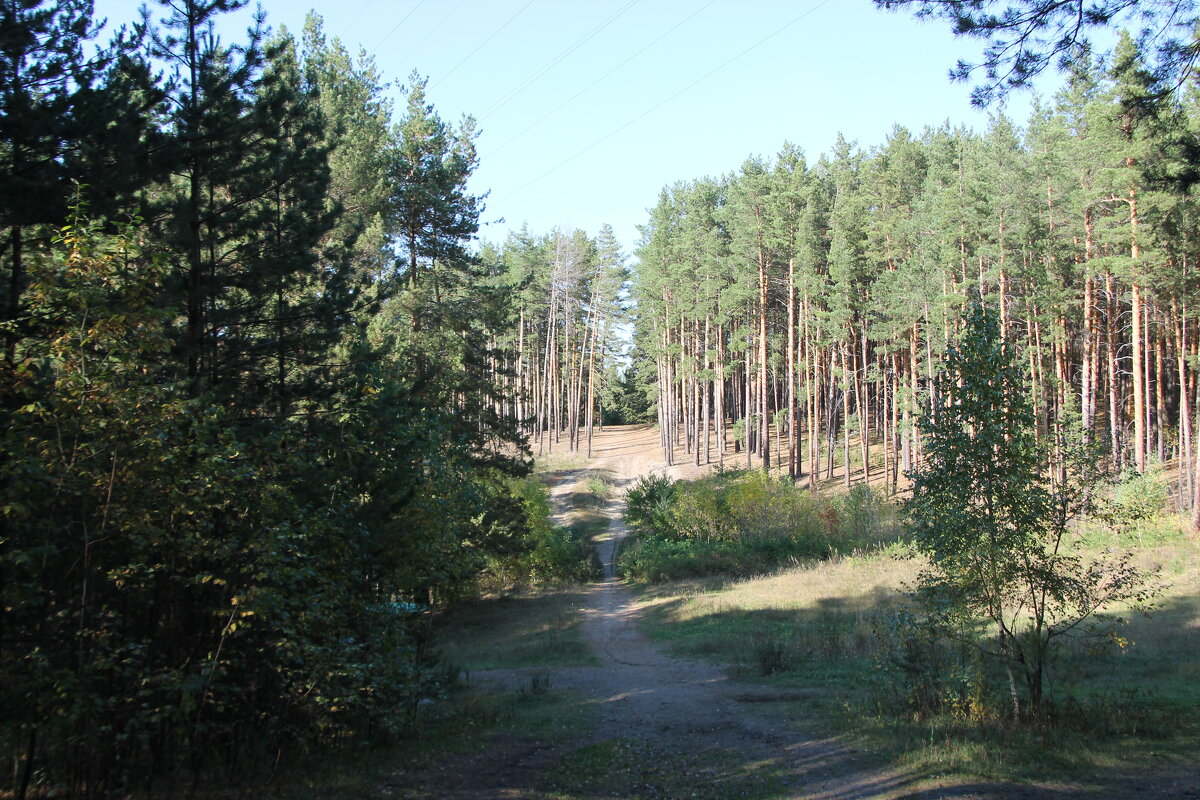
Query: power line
pixel 662 103
pixel 556 60
pixel 360 12
pixel 481 44
pixel 398 24
pixel 429 34
pixel 599 80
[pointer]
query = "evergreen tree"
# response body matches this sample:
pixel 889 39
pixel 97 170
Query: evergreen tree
pixel 66 118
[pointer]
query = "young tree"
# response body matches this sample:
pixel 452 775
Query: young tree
pixel 998 536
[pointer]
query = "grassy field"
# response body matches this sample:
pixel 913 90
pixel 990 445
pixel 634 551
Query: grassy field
pixel 820 632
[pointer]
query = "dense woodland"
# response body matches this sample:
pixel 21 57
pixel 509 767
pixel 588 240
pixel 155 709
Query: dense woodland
pixel 797 311
pixel 252 424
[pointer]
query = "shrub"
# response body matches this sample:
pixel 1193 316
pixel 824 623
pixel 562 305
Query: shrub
pixel 648 502
pixel 730 523
pixel 864 520
pixel 537 550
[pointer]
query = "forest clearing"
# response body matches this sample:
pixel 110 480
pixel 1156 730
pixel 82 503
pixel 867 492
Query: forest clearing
pixel 849 471
pixel 658 691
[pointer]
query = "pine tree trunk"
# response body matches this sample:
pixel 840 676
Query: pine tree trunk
pixel 719 395
pixel 764 443
pixel 791 368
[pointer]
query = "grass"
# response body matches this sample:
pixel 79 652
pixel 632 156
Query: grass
pixel 562 461
pixel 814 631
pixel 458 729
pixel 809 627
pixel 638 769
pixel 538 629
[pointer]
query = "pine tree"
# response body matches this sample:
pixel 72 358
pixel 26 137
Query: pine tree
pixel 66 118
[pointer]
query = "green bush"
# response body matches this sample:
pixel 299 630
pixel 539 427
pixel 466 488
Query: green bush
pixel 647 504
pixel 1139 497
pixel 865 520
pixel 527 547
pixel 1137 515
pixel 741 523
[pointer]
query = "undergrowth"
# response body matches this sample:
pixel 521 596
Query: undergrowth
pixel 744 523
pixel 829 632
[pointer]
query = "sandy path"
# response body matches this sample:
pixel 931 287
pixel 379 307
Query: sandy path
pixel 640 692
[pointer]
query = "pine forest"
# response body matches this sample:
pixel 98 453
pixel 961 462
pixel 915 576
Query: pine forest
pixel 290 448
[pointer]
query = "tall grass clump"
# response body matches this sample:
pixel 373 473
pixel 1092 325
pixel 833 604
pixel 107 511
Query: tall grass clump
pixel 742 523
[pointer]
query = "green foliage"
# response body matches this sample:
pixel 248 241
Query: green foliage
pixel 236 480
pixel 742 523
pixel 648 501
pixel 998 534
pixel 539 552
pixel 866 520
pixel 1138 497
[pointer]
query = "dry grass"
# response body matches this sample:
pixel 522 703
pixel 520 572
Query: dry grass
pixel 816 628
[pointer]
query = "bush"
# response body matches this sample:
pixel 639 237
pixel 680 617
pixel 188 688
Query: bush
pixel 648 501
pixel 865 520
pixel 734 523
pixel 536 550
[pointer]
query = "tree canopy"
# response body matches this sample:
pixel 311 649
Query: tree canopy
pixel 1022 39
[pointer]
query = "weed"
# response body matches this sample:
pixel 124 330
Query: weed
pixel 599 486
pixel 537 686
pixel 772 652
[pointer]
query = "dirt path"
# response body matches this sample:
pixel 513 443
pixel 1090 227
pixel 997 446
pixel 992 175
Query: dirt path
pixel 639 692
pixel 672 707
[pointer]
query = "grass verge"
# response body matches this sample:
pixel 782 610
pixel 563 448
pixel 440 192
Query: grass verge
pixel 530 630
pixel 638 769
pixel 820 632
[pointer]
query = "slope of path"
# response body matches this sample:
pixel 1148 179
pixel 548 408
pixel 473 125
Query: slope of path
pixel 638 691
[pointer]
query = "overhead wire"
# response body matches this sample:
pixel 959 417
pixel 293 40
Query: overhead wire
pixel 481 44
pixel 361 9
pixel 429 34
pixel 398 24
pixel 663 102
pixel 599 80
pixel 580 42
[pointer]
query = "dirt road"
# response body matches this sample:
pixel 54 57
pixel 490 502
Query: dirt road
pixel 669 715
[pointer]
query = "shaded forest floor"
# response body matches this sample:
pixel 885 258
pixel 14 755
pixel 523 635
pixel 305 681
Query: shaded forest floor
pixel 609 690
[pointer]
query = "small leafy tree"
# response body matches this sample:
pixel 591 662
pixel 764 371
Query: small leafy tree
pixel 997 531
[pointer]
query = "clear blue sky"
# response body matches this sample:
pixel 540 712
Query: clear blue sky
pixel 587 109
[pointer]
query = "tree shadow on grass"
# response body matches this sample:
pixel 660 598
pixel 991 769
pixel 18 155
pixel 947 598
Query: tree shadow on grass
pixel 1125 725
